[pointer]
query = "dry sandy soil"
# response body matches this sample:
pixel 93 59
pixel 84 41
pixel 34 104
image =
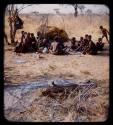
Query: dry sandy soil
pixel 75 66
pixel 69 66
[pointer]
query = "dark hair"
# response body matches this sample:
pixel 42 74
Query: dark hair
pixel 73 38
pixel 38 33
pixel 89 36
pixel 101 27
pixel 28 34
pixel 99 39
pixel 32 34
pixel 86 35
pixel 81 38
pixel 22 32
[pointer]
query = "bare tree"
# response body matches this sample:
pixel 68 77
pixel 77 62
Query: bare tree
pixel 81 7
pixel 12 12
pixel 76 9
pixel 10 9
pixel 23 7
pixel 57 11
pixel 89 12
pixel 35 13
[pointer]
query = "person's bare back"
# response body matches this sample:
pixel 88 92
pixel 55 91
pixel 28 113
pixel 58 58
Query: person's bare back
pixel 54 47
pixel 105 33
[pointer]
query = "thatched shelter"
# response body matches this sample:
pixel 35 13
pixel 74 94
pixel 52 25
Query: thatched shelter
pixel 51 32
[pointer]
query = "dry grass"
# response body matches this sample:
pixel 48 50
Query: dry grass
pixel 75 106
pixel 86 72
pixel 73 26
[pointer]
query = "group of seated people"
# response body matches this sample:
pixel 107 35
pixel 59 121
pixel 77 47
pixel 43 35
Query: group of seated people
pixel 86 45
pixel 26 44
pixel 30 43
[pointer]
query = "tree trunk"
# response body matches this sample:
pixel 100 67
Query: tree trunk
pixel 76 11
pixel 11 24
pixel 6 39
pixel 11 33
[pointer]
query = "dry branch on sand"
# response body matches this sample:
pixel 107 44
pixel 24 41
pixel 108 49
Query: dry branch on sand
pixel 74 103
pixel 75 100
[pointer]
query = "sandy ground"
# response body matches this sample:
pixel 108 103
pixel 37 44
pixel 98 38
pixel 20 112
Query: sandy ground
pixel 35 108
pixel 69 66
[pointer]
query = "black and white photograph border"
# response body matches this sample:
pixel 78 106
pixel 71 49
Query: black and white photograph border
pixel 43 85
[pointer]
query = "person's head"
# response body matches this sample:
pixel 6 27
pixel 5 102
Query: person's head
pixel 38 33
pixel 101 27
pixel 22 32
pixel 28 34
pixel 89 37
pixel 81 38
pixel 25 34
pixel 32 34
pixel 99 39
pixel 86 36
pixel 73 39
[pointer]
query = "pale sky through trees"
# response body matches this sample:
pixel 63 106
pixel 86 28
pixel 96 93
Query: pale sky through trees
pixel 63 8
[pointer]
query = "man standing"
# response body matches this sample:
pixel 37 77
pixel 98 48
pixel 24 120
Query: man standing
pixel 104 33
